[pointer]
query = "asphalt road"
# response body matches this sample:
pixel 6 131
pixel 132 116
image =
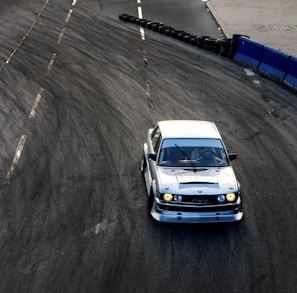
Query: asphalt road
pixel 77 95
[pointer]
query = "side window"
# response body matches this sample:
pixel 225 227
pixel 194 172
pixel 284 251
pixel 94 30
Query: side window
pixel 156 139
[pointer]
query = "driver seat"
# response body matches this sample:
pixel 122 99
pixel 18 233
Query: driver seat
pixel 195 154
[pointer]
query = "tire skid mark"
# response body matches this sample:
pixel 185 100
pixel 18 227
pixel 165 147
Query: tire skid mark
pixel 26 35
pixel 97 229
pixel 23 138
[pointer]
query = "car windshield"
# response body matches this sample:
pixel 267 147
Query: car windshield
pixel 192 153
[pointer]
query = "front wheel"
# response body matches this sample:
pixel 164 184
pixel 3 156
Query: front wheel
pixel 150 200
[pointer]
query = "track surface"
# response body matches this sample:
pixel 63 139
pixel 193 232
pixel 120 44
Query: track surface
pixel 77 97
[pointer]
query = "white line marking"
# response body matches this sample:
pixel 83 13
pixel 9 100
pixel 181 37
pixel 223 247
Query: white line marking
pixel 16 157
pixel 249 72
pixel 27 34
pixel 257 83
pixel 61 35
pixel 139 12
pixel 74 2
pixel 36 103
pixel 51 63
pixel 142 34
pixel 68 16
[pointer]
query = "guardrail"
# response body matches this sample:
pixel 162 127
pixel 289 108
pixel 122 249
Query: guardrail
pixel 268 61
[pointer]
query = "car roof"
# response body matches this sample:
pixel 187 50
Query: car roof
pixel 188 129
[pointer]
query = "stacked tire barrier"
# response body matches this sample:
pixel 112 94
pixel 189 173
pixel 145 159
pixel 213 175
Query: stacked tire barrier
pixel 223 47
pixel 268 61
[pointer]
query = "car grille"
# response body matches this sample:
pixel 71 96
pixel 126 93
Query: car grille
pixel 184 208
pixel 201 200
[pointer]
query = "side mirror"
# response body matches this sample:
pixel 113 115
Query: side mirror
pixel 232 156
pixel 152 157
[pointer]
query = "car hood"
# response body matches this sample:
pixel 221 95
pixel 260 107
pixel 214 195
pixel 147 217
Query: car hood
pixel 200 181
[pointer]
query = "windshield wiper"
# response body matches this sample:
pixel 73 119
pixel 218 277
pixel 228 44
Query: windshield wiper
pixel 186 157
pixel 182 151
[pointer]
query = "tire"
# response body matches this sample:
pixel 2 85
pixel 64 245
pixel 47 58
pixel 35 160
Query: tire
pixel 209 44
pixel 175 33
pixel 143 22
pixel 132 19
pixel 187 38
pixel 225 47
pixel 200 41
pixel 217 46
pixel 150 201
pixel 156 26
pixel 123 15
pixel 126 17
pixel 168 32
pixel 193 41
pixel 163 28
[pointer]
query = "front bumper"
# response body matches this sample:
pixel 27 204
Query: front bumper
pixel 205 214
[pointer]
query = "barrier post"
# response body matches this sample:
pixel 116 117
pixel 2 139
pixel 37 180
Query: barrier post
pixel 249 52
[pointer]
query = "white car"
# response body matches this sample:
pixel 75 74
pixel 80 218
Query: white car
pixel 188 175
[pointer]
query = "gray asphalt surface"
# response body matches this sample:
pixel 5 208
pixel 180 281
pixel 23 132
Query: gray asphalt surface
pixel 73 214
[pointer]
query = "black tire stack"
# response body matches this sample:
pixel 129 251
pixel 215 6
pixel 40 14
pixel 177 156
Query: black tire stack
pixel 226 47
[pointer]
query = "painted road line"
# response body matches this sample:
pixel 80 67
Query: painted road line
pixel 68 16
pixel 74 2
pixel 139 12
pixel 16 158
pixel 27 34
pixel 61 35
pixel 36 103
pixel 142 34
pixel 249 72
pixel 51 63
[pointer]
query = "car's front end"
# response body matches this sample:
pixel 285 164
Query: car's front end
pixel 197 196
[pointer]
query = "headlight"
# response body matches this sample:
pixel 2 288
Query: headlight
pixel 221 198
pixel 178 197
pixel 230 197
pixel 168 197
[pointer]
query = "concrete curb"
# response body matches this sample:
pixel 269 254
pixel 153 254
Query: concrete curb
pixel 218 19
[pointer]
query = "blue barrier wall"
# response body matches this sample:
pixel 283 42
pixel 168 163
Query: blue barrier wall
pixel 291 77
pixel 274 63
pixel 270 62
pixel 249 52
